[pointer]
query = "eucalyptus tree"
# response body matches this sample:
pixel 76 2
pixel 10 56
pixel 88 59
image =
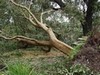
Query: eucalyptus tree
pixel 26 9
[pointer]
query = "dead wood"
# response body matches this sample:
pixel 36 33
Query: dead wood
pixel 53 41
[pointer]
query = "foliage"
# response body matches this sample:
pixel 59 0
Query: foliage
pixel 20 68
pixel 44 66
pixel 75 50
pixel 17 53
pixel 78 46
pixel 79 69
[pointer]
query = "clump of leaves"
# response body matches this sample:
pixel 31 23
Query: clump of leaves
pixel 78 45
pixel 79 69
pixel 75 50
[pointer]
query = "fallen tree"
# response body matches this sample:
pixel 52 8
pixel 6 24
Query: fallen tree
pixel 52 42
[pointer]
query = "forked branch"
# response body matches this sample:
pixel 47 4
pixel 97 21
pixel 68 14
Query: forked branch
pixel 27 9
pixel 41 18
pixel 38 23
pixel 53 41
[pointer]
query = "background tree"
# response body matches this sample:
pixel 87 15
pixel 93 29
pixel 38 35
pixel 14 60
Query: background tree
pixel 84 10
pixel 88 17
pixel 87 10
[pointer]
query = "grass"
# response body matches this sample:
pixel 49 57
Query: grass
pixel 22 68
pixel 75 50
pixel 19 68
pixel 29 63
pixel 19 65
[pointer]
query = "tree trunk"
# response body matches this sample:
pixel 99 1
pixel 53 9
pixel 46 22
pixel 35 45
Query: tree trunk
pixel 88 18
pixel 59 44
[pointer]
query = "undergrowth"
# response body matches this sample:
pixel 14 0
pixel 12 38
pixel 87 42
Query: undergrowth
pixel 22 68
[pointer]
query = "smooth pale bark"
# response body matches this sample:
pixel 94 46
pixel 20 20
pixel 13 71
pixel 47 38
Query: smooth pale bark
pixel 52 42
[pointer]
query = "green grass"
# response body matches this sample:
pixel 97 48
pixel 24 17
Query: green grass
pixel 20 68
pixel 44 68
pixel 75 50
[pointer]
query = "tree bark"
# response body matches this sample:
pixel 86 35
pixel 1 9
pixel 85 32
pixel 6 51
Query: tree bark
pixel 53 42
pixel 88 18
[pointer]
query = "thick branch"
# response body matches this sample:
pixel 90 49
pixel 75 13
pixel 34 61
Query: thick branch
pixel 59 44
pixel 27 40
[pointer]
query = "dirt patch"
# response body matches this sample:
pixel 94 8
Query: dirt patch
pixel 89 55
pixel 33 54
pixel 39 54
pixel 42 62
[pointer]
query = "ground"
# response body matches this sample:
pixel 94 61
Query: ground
pixel 55 62
pixel 50 63
pixel 90 53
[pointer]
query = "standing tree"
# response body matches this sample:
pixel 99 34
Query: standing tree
pixel 84 11
pixel 87 24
